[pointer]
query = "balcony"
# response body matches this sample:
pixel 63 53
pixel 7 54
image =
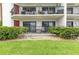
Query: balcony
pixel 32 13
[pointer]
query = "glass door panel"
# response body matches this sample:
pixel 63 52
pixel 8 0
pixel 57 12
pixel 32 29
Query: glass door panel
pixel 31 25
pixel 46 24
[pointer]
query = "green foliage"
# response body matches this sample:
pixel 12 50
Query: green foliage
pixel 0 22
pixel 65 32
pixel 55 30
pixel 11 32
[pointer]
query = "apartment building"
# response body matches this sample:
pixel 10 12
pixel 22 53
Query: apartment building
pixel 39 16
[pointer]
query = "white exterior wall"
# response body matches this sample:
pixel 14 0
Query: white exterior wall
pixel 21 23
pixel 61 22
pixel 75 10
pixel 6 8
pixel 38 23
pixel 76 23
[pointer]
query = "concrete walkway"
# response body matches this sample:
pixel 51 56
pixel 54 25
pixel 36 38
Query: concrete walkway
pixel 39 36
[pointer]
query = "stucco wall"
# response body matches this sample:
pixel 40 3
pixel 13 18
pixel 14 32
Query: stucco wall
pixel 61 22
pixel 76 10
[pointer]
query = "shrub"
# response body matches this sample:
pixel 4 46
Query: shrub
pixel 11 32
pixel 68 34
pixel 55 30
pixel 0 22
pixel 65 32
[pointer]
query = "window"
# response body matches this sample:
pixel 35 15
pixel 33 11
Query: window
pixel 69 10
pixel 70 23
pixel 45 9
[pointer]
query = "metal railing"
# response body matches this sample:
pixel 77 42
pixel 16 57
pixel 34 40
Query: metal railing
pixel 71 12
pixel 43 12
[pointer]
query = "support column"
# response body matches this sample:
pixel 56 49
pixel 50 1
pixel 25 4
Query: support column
pixel 65 14
pixel 6 15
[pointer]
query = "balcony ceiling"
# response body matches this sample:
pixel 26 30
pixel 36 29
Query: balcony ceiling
pixel 39 4
pixel 54 17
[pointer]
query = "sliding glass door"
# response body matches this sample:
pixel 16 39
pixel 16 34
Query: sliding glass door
pixel 31 25
pixel 46 24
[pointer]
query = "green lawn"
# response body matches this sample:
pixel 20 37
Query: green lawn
pixel 39 47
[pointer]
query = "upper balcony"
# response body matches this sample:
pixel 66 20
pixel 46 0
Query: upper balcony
pixel 43 11
pixel 39 10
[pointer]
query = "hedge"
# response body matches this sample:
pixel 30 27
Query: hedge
pixel 55 30
pixel 65 32
pixel 11 32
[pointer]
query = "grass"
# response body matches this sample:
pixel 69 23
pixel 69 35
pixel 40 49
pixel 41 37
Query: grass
pixel 39 47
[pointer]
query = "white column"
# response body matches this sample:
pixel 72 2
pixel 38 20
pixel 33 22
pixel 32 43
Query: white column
pixel 6 15
pixel 65 14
